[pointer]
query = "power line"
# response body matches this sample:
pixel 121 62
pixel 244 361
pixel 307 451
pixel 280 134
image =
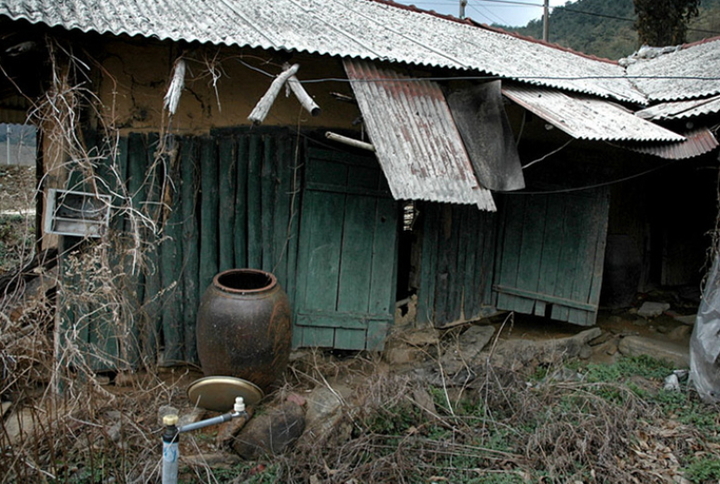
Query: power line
pixel 584 12
pixel 488 14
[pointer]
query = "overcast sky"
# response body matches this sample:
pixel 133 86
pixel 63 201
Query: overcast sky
pixel 514 13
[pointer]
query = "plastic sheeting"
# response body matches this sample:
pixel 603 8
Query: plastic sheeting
pixel 705 339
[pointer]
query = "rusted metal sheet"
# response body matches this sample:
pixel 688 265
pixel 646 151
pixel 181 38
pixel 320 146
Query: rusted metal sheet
pixel 480 117
pixel 367 29
pixel 690 72
pixel 583 117
pixel 415 137
pixel 681 109
pixel 697 142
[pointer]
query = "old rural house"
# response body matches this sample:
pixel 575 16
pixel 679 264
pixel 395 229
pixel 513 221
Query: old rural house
pixel 492 170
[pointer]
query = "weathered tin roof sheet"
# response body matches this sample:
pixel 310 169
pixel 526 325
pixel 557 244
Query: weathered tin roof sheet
pixel 415 137
pixel 366 29
pixel 691 72
pixel 681 109
pixel 583 117
pixel 697 142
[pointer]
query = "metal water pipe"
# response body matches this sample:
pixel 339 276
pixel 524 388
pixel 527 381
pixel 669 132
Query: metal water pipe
pixel 171 437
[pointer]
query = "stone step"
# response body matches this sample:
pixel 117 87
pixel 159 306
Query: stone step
pixel 676 353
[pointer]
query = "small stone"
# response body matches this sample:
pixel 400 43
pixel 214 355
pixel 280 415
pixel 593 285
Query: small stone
pixel 424 400
pixel 125 379
pixel 17 424
pixel 651 309
pixel 102 380
pixel 672 383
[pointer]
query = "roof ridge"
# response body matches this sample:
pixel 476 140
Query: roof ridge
pixel 475 23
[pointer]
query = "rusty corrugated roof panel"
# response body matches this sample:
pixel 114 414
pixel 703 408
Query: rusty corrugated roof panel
pixel 583 117
pixel 681 109
pixel 360 29
pixel 415 137
pixel 690 72
pixel 697 142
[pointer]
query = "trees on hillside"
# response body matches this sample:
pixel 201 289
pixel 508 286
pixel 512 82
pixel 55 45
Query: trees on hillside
pixel 664 22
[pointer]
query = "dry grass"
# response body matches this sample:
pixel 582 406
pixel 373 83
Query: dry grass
pixel 501 427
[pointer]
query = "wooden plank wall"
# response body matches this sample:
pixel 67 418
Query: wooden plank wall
pixel 226 200
pixel 458 249
pixel 551 255
pixel 347 259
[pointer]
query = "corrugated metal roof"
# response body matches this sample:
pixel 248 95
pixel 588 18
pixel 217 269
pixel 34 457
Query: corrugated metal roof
pixel 680 75
pixel 697 142
pixel 415 137
pixel 681 109
pixel 363 29
pixel 587 118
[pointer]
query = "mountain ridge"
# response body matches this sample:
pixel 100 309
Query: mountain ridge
pixel 605 28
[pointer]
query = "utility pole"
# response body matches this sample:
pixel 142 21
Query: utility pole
pixel 463 4
pixel 546 21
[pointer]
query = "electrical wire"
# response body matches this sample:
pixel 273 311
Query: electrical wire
pixel 565 8
pixel 486 77
pixel 597 185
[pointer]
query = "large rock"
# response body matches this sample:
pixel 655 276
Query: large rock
pixel 272 432
pixel 326 408
pixel 468 347
pixel 517 353
pixel 677 354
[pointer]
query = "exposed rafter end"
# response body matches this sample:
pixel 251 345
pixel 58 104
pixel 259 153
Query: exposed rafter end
pixel 349 141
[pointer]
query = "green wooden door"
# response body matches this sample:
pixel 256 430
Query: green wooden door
pixel 347 254
pixel 550 255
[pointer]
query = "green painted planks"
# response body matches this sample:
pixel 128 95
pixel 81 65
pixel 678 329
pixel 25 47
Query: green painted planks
pixel 320 251
pixel 171 267
pixel 550 260
pixel 267 198
pixel 552 242
pixel 241 203
pixel 356 263
pixel 509 256
pixel 226 213
pixel 293 234
pixel 531 248
pixel 209 208
pixel 254 204
pixel 457 264
pixel 384 259
pixel 599 256
pixel 430 248
pixel 189 243
pixel 283 173
pixel 350 339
